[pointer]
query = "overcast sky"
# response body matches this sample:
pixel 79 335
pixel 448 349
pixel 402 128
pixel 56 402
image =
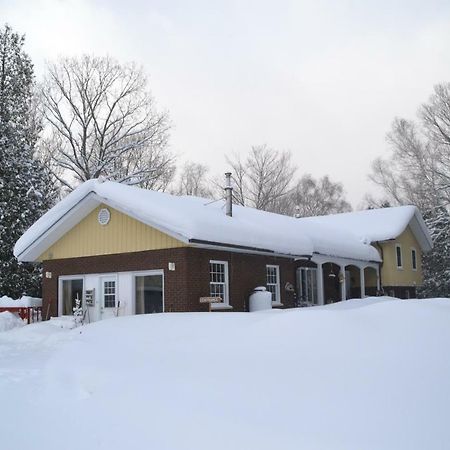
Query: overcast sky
pixel 323 79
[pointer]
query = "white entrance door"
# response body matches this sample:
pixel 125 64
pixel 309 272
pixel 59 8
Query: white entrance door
pixel 109 301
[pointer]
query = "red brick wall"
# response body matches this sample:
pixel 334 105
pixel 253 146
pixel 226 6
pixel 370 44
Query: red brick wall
pixel 245 273
pixel 182 287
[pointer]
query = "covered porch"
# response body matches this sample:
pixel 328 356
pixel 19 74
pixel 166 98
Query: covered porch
pixel 325 280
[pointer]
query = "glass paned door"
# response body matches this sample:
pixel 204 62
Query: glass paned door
pixel 109 303
pixel 307 285
pixel 71 291
pixel 149 294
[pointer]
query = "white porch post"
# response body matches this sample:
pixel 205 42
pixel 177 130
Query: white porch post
pixel 362 282
pixel 320 296
pixel 343 284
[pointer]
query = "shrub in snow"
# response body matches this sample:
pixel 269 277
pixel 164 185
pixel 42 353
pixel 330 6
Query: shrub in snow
pixel 78 312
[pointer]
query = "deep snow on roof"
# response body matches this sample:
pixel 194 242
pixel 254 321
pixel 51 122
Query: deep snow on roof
pixel 374 225
pixel 192 218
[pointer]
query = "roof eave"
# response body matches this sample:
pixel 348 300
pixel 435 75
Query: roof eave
pixel 35 248
pixel 420 231
pixel 199 243
pixel 364 260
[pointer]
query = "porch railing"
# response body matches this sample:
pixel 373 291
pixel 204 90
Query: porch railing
pixel 28 313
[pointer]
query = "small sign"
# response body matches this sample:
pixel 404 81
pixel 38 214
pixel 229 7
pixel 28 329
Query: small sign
pixel 210 300
pixel 172 266
pixel 48 274
pixel 89 297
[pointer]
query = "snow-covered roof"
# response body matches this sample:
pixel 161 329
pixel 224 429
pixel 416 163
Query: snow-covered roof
pixel 378 225
pixel 196 221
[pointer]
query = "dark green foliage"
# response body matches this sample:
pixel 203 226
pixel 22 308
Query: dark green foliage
pixel 436 264
pixel 25 187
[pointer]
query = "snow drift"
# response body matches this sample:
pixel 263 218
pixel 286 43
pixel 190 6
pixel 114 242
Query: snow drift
pixel 362 374
pixel 8 321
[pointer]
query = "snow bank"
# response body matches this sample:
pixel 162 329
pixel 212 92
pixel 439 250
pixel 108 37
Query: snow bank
pixel 366 374
pixel 66 322
pixel 8 321
pixel 24 301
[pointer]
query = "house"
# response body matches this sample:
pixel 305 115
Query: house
pixel 401 237
pixel 123 250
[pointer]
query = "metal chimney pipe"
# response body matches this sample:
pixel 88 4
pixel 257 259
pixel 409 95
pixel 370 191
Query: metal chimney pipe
pixel 229 194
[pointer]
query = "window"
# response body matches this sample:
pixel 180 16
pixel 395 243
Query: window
pixel 414 259
pixel 273 282
pixel 398 255
pixel 109 293
pixel 218 280
pixel 307 285
pixel 149 293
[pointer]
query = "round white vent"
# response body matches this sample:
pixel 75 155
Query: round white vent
pixel 104 216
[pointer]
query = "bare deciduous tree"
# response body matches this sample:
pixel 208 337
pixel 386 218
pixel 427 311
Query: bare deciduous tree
pixel 102 120
pixel 193 181
pixel 262 178
pixel 418 169
pixel 311 197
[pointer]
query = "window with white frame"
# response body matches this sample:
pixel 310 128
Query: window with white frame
pixel 218 280
pixel 398 256
pixel 307 285
pixel 109 293
pixel 414 259
pixel 273 282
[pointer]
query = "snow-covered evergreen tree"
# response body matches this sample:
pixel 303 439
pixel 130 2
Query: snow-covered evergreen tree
pixel 436 264
pixel 25 187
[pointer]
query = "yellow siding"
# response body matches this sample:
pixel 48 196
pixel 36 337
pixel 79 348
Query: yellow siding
pixel 121 235
pixel 393 276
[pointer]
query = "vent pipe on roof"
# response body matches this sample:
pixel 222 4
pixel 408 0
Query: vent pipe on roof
pixel 229 194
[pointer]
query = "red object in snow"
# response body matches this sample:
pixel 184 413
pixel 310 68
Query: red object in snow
pixel 28 313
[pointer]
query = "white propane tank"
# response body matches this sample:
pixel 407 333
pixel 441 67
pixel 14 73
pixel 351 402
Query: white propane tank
pixel 260 299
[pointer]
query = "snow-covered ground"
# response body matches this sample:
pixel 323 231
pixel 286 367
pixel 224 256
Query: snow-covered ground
pixel 364 374
pixel 8 321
